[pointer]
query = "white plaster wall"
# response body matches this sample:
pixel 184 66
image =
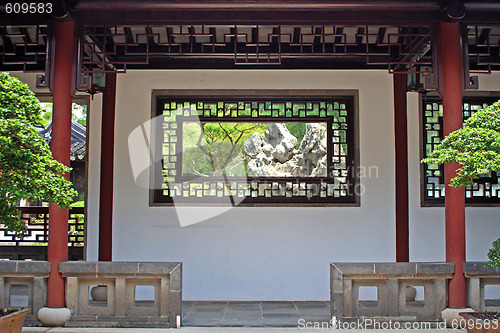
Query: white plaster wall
pixel 427 231
pixel 257 253
pixel 274 253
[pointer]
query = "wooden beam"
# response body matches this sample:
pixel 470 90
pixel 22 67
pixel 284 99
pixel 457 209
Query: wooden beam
pixel 452 92
pixel 107 169
pixel 60 145
pixel 401 167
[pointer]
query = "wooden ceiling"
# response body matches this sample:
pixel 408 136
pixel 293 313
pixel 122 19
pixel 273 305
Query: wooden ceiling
pixel 320 34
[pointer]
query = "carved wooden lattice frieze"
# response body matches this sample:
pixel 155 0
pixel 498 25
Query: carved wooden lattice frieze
pixel 335 185
pixel 486 189
pixel 37 224
pixel 484 47
pixel 109 48
pixel 23 46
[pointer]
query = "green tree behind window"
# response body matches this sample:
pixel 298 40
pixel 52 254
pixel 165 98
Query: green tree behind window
pixel 476 147
pixel 27 169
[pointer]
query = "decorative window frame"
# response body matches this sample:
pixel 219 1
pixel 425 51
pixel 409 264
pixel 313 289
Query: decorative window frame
pixel 476 97
pixel 350 97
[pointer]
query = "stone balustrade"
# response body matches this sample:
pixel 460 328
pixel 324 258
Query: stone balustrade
pixel 390 280
pixel 123 283
pixel 479 278
pixel 24 284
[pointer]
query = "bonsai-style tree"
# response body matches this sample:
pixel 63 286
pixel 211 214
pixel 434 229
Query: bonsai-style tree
pixel 27 169
pixel 476 147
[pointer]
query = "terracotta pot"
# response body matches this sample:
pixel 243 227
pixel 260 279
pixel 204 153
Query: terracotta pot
pixel 13 323
pixel 477 325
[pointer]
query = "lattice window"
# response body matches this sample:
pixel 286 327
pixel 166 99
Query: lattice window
pixel 237 175
pixel 486 190
pixel 37 224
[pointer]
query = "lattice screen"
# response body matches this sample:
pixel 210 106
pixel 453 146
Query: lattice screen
pixel 336 187
pixel 486 190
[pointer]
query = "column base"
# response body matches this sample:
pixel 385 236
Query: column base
pixel 452 318
pixel 54 317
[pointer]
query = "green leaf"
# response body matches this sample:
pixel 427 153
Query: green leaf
pixel 476 147
pixel 27 169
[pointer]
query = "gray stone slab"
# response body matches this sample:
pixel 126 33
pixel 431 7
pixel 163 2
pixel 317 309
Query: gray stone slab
pixel 311 317
pixel 286 311
pixel 241 310
pixel 210 304
pixel 37 267
pixel 278 306
pixel 2 290
pixel 157 267
pixel 315 308
pixel 440 295
pixel 248 322
pixel 176 277
pixel 472 268
pixel 355 268
pixel 474 293
pixel 311 304
pixel 202 322
pixel 39 294
pixel 242 315
pixel 315 313
pixel 82 267
pixel 435 268
pixel 117 267
pixel 8 266
pixel 203 318
pixel 280 321
pixel 337 305
pixel 336 279
pixel 393 294
pixel 206 310
pixel 396 268
pixel 186 307
pixel 251 306
pixel 175 306
pixel 280 316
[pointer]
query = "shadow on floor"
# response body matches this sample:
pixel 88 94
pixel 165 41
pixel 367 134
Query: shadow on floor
pixel 252 314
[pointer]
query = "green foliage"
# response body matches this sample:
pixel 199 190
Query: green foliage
pixel 216 149
pixel 27 169
pixel 298 130
pixel 17 101
pixel 494 255
pixel 475 146
pixel 79 113
pixel 46 112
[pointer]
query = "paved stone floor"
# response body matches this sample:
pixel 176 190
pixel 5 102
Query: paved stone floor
pixel 216 330
pixel 240 317
pixel 252 314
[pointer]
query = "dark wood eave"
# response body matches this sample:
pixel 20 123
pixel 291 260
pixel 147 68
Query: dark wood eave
pixel 276 11
pixel 273 12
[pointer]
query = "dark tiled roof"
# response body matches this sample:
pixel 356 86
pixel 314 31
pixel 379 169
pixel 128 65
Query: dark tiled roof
pixel 78 139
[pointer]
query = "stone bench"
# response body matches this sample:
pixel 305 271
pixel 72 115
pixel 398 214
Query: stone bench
pixel 479 277
pixel 122 305
pixel 391 281
pixel 24 284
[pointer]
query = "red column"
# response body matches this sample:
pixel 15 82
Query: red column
pixel 60 146
pixel 401 167
pixel 452 92
pixel 107 156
